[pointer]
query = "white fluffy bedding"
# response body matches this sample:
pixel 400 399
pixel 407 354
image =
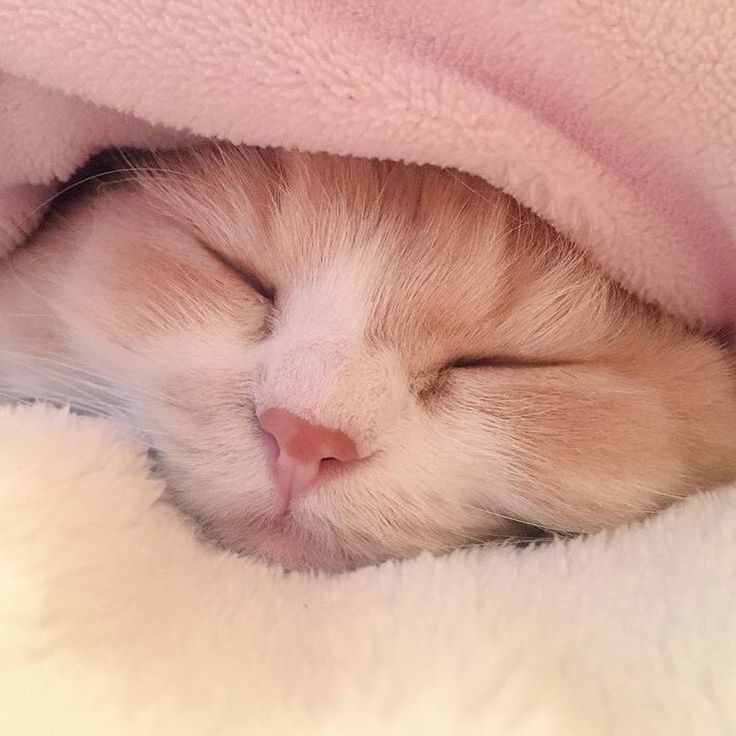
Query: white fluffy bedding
pixel 116 619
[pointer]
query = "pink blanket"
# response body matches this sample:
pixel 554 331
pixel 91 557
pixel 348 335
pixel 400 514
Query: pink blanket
pixel 614 120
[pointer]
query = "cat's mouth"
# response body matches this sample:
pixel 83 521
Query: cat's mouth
pixel 291 537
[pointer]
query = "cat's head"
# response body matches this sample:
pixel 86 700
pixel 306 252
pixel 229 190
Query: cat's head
pixel 341 361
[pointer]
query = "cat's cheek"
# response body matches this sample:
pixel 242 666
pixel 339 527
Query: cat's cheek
pixel 134 291
pixel 217 476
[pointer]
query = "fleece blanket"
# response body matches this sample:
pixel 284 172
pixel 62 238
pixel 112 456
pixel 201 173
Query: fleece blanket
pixel 612 120
pixel 115 619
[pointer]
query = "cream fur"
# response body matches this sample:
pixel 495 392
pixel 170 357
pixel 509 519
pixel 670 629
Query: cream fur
pixel 115 619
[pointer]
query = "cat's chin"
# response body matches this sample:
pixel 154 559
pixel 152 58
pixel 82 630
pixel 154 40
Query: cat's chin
pixel 284 542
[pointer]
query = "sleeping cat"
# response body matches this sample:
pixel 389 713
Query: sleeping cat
pixel 340 361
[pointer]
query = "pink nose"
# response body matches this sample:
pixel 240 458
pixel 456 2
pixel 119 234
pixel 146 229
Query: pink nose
pixel 302 448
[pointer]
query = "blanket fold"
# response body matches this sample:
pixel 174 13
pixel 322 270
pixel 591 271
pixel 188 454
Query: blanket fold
pixel 612 120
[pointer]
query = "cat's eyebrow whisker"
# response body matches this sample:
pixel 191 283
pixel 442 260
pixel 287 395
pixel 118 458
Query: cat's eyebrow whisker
pixel 102 175
pixel 64 190
pixel 108 177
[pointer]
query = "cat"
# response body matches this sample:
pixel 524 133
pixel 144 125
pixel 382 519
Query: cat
pixel 341 361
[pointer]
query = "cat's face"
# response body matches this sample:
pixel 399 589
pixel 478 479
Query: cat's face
pixel 340 362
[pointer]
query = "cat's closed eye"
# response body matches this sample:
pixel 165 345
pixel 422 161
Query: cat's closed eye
pixel 244 274
pixel 502 361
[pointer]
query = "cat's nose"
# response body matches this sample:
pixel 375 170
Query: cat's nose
pixel 302 448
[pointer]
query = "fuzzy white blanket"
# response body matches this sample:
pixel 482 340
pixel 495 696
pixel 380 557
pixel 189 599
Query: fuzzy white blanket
pixel 116 619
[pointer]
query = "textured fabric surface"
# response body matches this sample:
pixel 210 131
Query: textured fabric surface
pixel 116 619
pixel 612 120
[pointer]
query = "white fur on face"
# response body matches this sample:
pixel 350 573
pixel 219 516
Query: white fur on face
pixel 486 371
pixel 318 364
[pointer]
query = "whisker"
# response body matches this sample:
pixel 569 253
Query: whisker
pixel 496 514
pixel 46 364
